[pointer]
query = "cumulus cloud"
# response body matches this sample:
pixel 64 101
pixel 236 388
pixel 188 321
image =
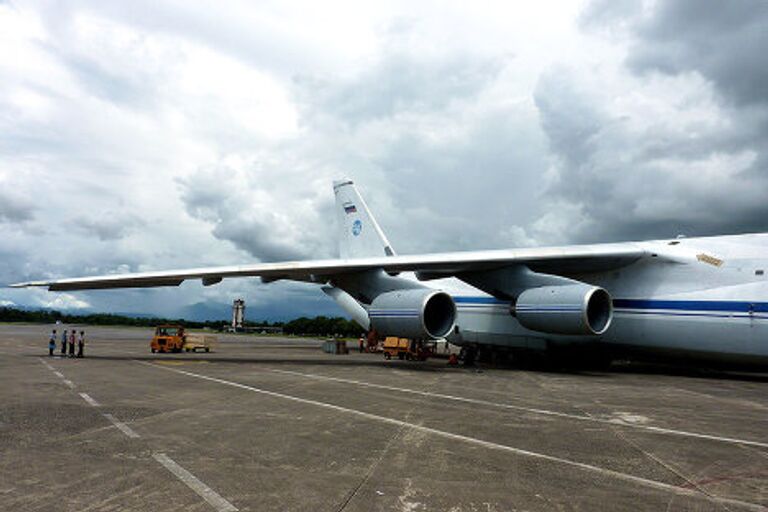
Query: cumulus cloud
pixel 64 301
pixel 15 208
pixel 245 205
pixel 666 143
pixel 725 42
pixel 109 225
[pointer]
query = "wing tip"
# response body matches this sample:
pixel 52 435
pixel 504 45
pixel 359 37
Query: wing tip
pixel 22 285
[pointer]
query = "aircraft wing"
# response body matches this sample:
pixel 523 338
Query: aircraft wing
pixel 556 260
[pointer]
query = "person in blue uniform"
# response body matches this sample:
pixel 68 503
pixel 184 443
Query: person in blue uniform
pixel 52 343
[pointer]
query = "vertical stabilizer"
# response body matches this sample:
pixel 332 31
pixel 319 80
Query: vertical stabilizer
pixel 360 235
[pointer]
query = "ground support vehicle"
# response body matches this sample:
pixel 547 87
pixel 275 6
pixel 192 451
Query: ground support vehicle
pixel 408 349
pixel 194 342
pixel 174 338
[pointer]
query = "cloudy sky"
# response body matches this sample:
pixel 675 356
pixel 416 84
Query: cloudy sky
pixel 158 135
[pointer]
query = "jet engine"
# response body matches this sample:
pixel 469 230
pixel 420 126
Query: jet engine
pixel 415 313
pixel 566 309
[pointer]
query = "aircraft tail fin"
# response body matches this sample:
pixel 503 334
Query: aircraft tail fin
pixel 360 234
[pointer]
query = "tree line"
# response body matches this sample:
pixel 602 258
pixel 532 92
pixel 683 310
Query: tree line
pixel 317 326
pixel 323 326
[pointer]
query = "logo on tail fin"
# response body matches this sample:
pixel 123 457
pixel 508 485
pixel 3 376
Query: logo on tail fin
pixel 357 227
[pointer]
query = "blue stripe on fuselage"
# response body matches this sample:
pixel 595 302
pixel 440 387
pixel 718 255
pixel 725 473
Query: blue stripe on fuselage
pixel 480 300
pixel 730 306
pixel 692 305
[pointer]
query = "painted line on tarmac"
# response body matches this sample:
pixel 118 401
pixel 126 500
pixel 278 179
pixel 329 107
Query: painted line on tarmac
pixel 654 484
pixel 90 400
pixel 615 422
pixel 205 492
pixel 125 429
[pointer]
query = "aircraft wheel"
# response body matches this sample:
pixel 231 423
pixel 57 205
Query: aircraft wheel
pixel 469 355
pixel 153 350
pixel 207 349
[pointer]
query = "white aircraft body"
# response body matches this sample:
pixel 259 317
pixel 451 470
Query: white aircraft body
pixel 695 298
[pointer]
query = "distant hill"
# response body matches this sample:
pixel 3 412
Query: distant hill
pixel 206 311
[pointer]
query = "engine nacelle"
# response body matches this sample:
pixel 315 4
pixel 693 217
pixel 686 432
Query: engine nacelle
pixel 416 313
pixel 567 309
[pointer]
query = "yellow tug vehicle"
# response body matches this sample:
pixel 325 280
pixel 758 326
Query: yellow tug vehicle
pixel 408 349
pixel 174 338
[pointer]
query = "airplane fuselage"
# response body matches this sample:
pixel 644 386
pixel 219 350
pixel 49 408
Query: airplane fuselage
pixel 710 303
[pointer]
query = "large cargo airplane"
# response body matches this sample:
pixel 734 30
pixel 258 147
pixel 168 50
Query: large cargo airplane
pixel 695 298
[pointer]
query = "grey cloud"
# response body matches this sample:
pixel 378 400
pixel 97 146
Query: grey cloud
pixel 14 265
pixel 466 191
pixel 15 209
pixel 639 176
pixel 109 225
pixel 401 83
pixel 601 14
pixel 226 199
pixel 724 41
pixel 437 142
pixel 114 86
pixel 400 79
pixel 624 186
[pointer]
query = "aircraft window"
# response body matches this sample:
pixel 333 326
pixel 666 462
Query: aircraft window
pixel 759 272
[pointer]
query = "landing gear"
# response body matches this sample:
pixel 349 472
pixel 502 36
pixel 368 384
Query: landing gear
pixel 468 355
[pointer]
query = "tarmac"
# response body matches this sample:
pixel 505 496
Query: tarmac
pixel 266 423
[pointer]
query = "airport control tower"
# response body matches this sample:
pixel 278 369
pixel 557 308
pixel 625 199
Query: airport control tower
pixel 238 314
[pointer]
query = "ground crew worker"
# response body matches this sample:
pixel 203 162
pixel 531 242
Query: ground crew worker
pixel 360 343
pixel 72 337
pixel 52 343
pixel 80 344
pixel 64 339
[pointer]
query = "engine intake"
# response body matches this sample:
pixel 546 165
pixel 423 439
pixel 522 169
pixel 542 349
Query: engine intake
pixel 567 309
pixel 418 313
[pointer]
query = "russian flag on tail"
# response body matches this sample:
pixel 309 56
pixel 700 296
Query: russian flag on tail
pixel 350 208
